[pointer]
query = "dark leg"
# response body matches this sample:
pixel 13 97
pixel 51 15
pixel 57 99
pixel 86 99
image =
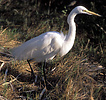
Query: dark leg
pixel 32 72
pixel 44 75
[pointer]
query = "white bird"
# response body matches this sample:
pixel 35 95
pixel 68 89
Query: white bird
pixel 46 46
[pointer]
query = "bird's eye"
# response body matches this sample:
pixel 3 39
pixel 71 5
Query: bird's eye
pixel 83 10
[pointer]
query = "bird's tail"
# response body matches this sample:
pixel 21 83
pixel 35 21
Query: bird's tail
pixel 5 53
pixel 2 54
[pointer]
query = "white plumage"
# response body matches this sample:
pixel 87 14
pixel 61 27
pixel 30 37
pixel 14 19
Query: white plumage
pixel 45 46
pixel 41 48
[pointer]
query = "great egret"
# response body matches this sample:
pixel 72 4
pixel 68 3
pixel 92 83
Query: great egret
pixel 46 46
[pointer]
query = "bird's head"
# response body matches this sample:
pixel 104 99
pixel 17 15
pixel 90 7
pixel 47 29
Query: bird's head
pixel 79 10
pixel 83 10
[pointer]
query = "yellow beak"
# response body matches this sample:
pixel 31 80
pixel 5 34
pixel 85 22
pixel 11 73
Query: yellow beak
pixel 92 13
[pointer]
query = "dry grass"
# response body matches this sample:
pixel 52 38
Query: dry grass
pixel 74 77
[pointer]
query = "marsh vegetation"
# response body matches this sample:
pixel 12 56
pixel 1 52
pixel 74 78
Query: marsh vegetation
pixel 79 75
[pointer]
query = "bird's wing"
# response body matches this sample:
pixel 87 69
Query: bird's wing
pixel 39 48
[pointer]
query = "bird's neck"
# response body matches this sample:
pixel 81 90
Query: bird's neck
pixel 69 40
pixel 72 30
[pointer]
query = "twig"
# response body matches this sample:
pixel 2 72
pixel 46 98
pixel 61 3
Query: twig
pixel 36 77
pixel 11 86
pixel 3 31
pixel 2 65
pixel 53 69
pixel 4 62
pixel 41 94
pixel 86 47
pixel 16 77
pixel 7 55
pixel 22 97
pixel 29 91
pixel 11 80
pixel 5 75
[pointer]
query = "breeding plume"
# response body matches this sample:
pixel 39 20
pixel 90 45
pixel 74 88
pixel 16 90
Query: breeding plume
pixel 45 46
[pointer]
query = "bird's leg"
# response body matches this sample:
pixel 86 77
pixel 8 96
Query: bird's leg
pixel 32 72
pixel 44 75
